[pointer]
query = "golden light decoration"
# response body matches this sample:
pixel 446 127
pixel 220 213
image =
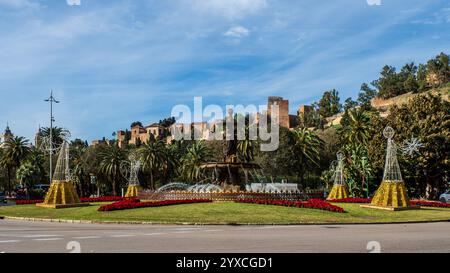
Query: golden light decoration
pixel 339 190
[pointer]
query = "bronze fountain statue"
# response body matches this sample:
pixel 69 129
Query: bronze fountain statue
pixel 230 173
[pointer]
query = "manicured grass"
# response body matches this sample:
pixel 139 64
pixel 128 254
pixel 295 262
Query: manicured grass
pixel 231 213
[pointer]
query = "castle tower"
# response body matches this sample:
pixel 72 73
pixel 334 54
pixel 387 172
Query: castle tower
pixel 7 135
pixel 283 106
pixel 38 138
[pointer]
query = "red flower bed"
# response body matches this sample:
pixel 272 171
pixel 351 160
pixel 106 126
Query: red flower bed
pixel 351 200
pixel 425 203
pixel 83 200
pixel 27 201
pixel 310 204
pixel 136 203
pixel 102 199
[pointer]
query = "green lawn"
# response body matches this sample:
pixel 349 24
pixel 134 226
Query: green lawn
pixel 231 213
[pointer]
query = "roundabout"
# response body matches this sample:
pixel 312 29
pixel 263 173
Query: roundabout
pixel 42 237
pixel 230 213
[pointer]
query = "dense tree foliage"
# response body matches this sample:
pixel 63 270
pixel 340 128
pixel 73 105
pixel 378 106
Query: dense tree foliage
pixel 411 78
pixel 329 104
pixel 136 123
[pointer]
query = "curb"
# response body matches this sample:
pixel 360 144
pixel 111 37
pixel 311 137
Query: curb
pixel 209 224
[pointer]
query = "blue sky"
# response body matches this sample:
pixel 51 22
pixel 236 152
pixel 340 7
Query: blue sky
pixel 117 61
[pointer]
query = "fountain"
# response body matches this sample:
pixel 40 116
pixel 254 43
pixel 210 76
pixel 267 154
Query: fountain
pixel 228 173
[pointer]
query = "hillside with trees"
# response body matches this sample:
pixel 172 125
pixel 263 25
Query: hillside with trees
pixel 305 154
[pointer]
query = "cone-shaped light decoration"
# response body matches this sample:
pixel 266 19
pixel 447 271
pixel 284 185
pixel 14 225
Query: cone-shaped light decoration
pixel 339 190
pixel 133 179
pixel 392 191
pixel 62 193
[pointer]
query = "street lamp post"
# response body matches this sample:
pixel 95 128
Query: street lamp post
pixel 52 119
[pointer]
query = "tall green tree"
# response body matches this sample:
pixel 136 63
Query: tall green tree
pixel 173 154
pixel 153 157
pixel 366 95
pixel 246 146
pixel 196 154
pixel 16 150
pixel 408 76
pixel 422 83
pixel 389 84
pixel 357 169
pixel 57 134
pixel 28 174
pixel 427 118
pixel 357 129
pixel 111 158
pixel 329 104
pixel 306 148
pixel 79 166
pixel 439 70
pixel 37 159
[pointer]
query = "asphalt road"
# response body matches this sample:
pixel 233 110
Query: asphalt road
pixel 31 237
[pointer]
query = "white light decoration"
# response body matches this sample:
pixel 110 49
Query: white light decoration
pixel 339 171
pixel 130 170
pixel 412 146
pixel 392 171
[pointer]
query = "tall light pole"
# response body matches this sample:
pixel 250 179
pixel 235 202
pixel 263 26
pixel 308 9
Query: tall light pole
pixel 51 100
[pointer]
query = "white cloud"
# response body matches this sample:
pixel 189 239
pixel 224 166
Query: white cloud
pixel 128 54
pixel 18 4
pixel 237 32
pixel 440 17
pixel 231 8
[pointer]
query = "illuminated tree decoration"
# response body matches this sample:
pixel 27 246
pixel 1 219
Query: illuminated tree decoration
pixel 339 190
pixel 130 170
pixel 392 191
pixel 62 193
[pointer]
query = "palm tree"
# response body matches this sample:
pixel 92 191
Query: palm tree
pixel 196 154
pixel 357 132
pixel 16 150
pixel 153 157
pixel 111 158
pixel 27 174
pixel 32 170
pixel 57 134
pixel 366 172
pixel 246 150
pixel 172 155
pixel 2 168
pixel 306 149
pixel 78 163
pixel 37 159
pixel 357 168
pixel 245 147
